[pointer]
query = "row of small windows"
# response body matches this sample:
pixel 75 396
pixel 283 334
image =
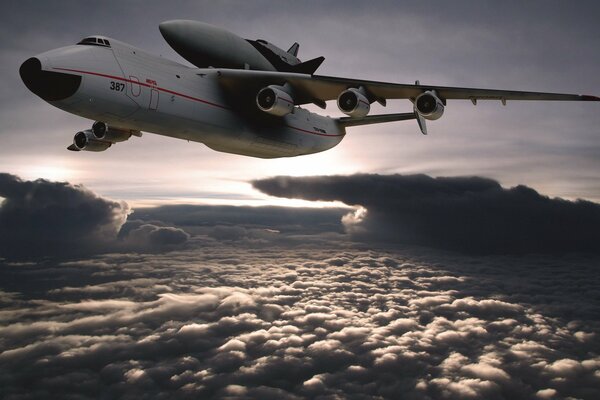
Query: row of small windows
pixel 94 41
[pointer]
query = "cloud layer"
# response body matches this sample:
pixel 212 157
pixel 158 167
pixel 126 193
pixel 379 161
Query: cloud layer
pixel 232 322
pixel 470 214
pixel 276 303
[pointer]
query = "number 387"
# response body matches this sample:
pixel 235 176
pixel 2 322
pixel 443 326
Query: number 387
pixel 118 86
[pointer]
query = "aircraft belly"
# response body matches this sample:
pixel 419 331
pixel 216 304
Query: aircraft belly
pixel 200 126
pixel 288 138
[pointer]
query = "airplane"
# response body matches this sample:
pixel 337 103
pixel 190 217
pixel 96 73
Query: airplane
pixel 242 97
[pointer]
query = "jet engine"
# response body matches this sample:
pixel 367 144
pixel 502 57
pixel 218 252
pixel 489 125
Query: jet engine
pixel 86 140
pixel 429 106
pixel 102 131
pixel 353 103
pixel 274 100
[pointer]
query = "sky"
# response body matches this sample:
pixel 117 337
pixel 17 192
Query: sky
pixel 460 265
pixel 540 46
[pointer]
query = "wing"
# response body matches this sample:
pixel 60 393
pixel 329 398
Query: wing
pixel 319 89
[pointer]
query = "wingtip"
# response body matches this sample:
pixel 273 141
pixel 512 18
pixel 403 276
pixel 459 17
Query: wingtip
pixel 586 97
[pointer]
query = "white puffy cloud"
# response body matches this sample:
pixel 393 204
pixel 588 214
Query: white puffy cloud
pixel 240 322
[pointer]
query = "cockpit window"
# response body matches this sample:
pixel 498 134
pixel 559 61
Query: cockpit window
pixel 88 40
pixel 94 41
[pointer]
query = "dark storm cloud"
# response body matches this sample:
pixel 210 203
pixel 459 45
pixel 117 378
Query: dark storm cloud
pixel 470 214
pixel 40 218
pixel 306 323
pixel 43 218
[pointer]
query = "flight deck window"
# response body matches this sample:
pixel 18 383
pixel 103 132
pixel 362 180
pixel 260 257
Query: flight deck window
pixel 92 41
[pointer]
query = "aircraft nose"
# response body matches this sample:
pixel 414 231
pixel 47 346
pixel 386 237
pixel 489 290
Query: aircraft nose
pixel 50 86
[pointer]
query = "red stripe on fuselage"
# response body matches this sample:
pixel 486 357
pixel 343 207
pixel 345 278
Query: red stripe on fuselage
pixel 120 78
pixel 145 84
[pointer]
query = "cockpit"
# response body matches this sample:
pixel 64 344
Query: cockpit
pixel 95 41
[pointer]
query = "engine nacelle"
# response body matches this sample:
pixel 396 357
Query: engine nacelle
pixel 103 132
pixel 429 106
pixel 353 103
pixel 274 100
pixel 87 141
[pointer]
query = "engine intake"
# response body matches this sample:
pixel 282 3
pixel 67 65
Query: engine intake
pixel 87 141
pixel 353 103
pixel 274 100
pixel 429 106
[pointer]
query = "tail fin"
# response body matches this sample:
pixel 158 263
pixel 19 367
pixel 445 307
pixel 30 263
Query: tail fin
pixel 308 67
pixel 294 49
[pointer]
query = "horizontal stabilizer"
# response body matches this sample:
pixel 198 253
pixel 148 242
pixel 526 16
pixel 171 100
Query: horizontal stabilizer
pixel 308 67
pixel 374 119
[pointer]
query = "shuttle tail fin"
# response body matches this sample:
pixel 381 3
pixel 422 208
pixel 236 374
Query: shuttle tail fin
pixel 294 49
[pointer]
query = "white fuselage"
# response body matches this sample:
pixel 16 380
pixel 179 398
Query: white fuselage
pixel 128 88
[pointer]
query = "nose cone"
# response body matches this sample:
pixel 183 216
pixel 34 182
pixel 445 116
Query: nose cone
pixel 50 86
pixel 190 38
pixel 205 45
pixel 167 27
pixel 175 31
pixel 179 28
pixel 193 40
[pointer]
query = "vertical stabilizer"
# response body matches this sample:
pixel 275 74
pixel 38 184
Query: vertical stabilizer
pixel 294 49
